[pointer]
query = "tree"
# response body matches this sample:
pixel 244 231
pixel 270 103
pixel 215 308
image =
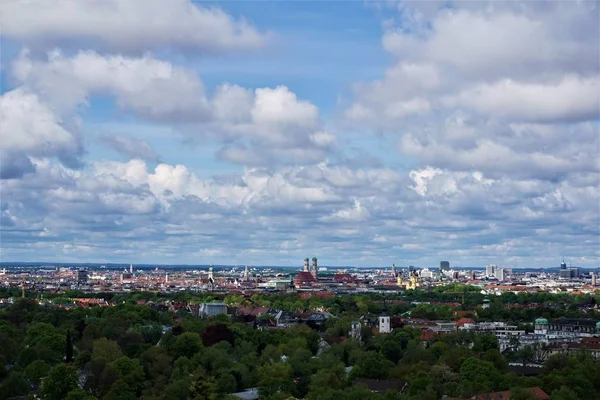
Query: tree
pixel 79 394
pixel 106 349
pixel 327 379
pixel 14 385
pixel 60 381
pixel 564 393
pixel 36 371
pixel 371 365
pixel 130 372
pixel 217 333
pixel 186 345
pixel 69 348
pixel 274 378
pixel 485 342
pixel 495 357
pixel 475 376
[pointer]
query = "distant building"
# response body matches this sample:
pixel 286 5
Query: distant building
pixel 356 330
pixel 426 273
pixel 82 276
pixel 569 273
pixel 490 270
pixel 500 274
pixel 303 278
pixel 384 323
pixel 315 268
pixel 563 265
pixel 444 266
pixel 208 310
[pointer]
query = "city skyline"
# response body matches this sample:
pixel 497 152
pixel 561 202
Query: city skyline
pixel 244 133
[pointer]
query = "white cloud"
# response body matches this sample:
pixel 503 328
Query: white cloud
pixel 573 98
pixel 148 213
pixel 135 25
pixel 150 87
pixel 32 129
pixel 256 125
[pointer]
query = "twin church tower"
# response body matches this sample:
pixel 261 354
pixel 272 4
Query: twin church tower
pixel 314 270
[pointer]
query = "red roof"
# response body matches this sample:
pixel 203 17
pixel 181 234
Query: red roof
pixel 463 321
pixel 343 278
pixel 304 277
pixel 255 311
pixel 428 335
pixel 321 294
pixel 538 392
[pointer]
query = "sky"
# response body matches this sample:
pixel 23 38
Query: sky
pixel 248 132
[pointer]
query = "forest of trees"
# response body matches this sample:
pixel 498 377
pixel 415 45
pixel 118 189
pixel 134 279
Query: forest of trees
pixel 132 351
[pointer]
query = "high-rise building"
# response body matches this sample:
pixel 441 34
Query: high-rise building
pixel 246 274
pixel 500 274
pixel 490 270
pixel 563 265
pixel 444 266
pixel 593 279
pixel 394 270
pixel 82 276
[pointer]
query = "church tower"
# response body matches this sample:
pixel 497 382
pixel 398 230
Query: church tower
pixel 315 268
pixel 384 323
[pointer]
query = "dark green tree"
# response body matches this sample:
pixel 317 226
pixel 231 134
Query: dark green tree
pixel 60 381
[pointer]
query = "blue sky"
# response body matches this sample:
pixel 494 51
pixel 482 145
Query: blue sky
pixel 264 132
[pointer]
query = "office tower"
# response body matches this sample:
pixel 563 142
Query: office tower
pixel 82 276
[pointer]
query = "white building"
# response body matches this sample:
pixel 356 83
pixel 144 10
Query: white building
pixel 490 270
pixel 212 309
pixel 501 274
pixel 384 323
pixel 426 273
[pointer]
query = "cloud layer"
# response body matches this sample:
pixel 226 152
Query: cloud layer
pixel 492 109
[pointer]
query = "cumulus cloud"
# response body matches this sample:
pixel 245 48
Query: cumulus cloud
pixel 571 99
pixel 152 88
pixel 255 125
pixel 31 129
pixel 132 26
pixel 156 210
pixel 472 87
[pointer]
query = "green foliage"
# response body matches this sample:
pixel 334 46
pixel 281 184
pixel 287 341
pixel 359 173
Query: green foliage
pixel 116 350
pixel 61 380
pixel 107 350
pixel 36 371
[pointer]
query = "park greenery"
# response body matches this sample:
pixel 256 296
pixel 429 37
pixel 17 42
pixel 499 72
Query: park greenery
pixel 135 350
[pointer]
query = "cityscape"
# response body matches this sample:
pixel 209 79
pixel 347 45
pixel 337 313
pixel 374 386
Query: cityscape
pixel 432 305
pixel 300 200
pixel 493 280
